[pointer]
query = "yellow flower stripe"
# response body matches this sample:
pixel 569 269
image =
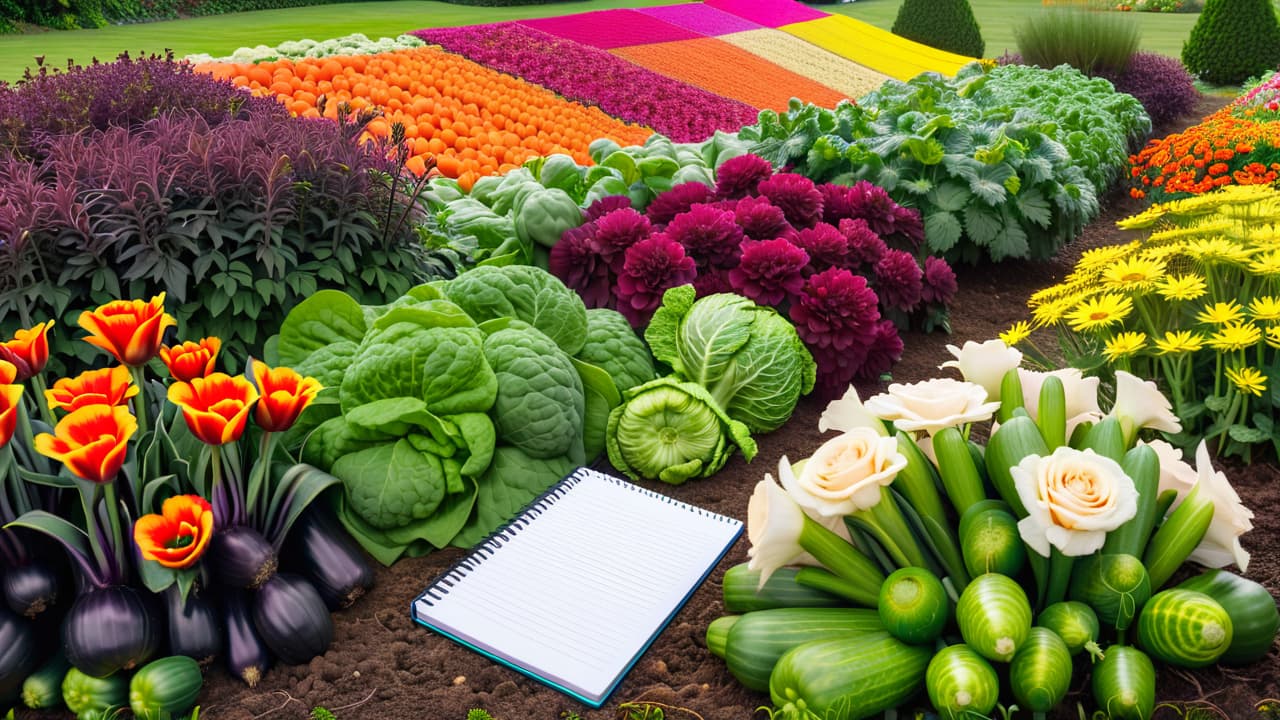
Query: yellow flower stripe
pixel 792 53
pixel 877 49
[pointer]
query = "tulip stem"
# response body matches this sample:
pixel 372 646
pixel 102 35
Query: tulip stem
pixel 117 537
pixel 89 501
pixel 257 477
pixel 140 401
pixel 42 405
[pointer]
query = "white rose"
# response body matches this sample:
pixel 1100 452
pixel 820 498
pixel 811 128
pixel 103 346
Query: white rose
pixel 932 405
pixel 1231 519
pixel 1175 473
pixel 1081 393
pixel 774 523
pixel 1140 404
pixel 984 363
pixel 1073 499
pixel 845 474
pixel 848 413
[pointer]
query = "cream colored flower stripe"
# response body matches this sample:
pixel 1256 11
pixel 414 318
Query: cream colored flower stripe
pixel 877 49
pixel 804 58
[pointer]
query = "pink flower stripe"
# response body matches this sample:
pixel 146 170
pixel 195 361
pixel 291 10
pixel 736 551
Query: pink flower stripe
pixel 592 76
pixel 700 18
pixel 770 13
pixel 608 29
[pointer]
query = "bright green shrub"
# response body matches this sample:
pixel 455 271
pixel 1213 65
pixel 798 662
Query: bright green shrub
pixel 1089 41
pixel 1233 40
pixel 944 24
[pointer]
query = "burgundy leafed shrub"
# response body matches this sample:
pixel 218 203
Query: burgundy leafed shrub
pixel 1160 83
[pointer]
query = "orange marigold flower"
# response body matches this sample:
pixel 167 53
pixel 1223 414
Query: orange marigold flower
pixel 28 350
pixel 284 394
pixel 178 536
pixel 130 330
pixel 191 360
pixel 216 408
pixel 1243 148
pixel 1218 168
pixel 108 386
pixel 91 442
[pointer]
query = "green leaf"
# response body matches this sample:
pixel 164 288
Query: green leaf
pixel 295 491
pixel 942 229
pixel 156 577
pixel 392 484
pixel 325 318
pixel 988 184
pixel 1217 403
pixel 924 151
pixel 950 196
pixel 512 482
pixel 1034 206
pixel 1248 435
pixel 982 224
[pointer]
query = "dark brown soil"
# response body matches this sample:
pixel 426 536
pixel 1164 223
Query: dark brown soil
pixel 381 666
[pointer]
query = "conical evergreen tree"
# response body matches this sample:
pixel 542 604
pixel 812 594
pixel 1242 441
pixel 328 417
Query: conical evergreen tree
pixel 944 24
pixel 1232 41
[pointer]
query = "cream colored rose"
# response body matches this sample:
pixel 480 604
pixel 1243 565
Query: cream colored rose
pixel 932 405
pixel 845 474
pixel 1081 394
pixel 774 524
pixel 1140 404
pixel 984 363
pixel 1073 499
pixel 848 413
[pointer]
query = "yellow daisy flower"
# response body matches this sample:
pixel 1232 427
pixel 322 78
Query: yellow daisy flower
pixel 1133 273
pixel 1018 332
pixel 1272 335
pixel 1099 312
pixel 1217 249
pixel 1099 258
pixel 1144 219
pixel 1181 287
pixel 1248 380
pixel 1265 308
pixel 1052 312
pixel 1124 344
pixel 1236 336
pixel 1221 313
pixel 1175 342
pixel 1265 263
pixel 1193 232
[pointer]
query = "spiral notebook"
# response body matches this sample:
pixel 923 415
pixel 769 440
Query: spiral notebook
pixel 575 588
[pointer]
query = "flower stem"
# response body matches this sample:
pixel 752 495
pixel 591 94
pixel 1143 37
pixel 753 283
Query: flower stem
pixel 117 537
pixel 885 522
pixel 39 386
pixel 89 502
pixel 1059 576
pixel 842 559
pixel 140 400
pixel 258 475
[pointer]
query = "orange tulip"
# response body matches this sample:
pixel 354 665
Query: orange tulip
pixel 10 396
pixel 130 330
pixel 8 372
pixel 28 350
pixel 191 360
pixel 108 386
pixel 91 441
pixel 216 407
pixel 284 395
pixel 178 536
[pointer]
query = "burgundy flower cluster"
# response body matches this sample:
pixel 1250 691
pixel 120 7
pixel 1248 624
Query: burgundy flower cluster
pixel 839 261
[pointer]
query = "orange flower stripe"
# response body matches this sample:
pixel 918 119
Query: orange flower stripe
pixel 721 68
pixel 191 359
pixel 472 120
pixel 28 350
pixel 284 394
pixel 216 408
pixel 178 536
pixel 8 372
pixel 91 442
pixel 1222 150
pixel 10 396
pixel 108 386
pixel 130 330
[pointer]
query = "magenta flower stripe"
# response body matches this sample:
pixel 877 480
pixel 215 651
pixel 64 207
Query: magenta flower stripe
pixel 608 29
pixel 700 18
pixel 769 13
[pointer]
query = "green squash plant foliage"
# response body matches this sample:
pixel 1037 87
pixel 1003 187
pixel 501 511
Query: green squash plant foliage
pixel 944 24
pixel 1232 41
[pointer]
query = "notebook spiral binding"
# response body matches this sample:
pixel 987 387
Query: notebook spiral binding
pixel 486 547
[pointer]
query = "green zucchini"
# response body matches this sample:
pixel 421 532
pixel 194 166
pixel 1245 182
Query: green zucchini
pixel 847 678
pixel 1142 465
pixel 165 688
pixel 1178 537
pixel 1185 628
pixel 756 641
pixel 961 684
pixel 1116 586
pixel 1040 672
pixel 43 688
pixel 1051 412
pixel 1075 622
pixel 1106 438
pixel 742 594
pixel 718 633
pixel 83 693
pixel 1015 440
pixel 994 616
pixel 1124 684
pixel 989 541
pixel 913 605
pixel 956 469
pixel 1254 618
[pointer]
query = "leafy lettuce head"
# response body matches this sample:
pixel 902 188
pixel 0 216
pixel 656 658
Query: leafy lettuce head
pixel 525 293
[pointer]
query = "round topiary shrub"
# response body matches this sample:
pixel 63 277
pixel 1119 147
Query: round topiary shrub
pixel 1233 40
pixel 944 24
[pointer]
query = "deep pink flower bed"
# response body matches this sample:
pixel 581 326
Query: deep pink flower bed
pixel 700 18
pixel 608 29
pixel 770 13
pixel 589 75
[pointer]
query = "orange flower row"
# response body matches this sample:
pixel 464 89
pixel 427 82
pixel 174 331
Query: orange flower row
pixel 1221 150
pixel 474 121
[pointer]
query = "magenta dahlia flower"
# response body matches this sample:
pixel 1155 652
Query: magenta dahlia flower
pixel 836 309
pixel 651 267
pixel 606 205
pixel 826 246
pixel 580 267
pixel 760 219
pixel 709 236
pixel 899 280
pixel 865 248
pixel 885 350
pixel 739 176
pixel 677 200
pixel 618 230
pixel 939 281
pixel 837 202
pixel 798 197
pixel 873 204
pixel 769 271
pixel 908 225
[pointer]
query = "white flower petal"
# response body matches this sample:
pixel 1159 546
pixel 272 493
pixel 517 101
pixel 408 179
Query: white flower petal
pixel 932 405
pixel 984 363
pixel 1140 404
pixel 774 522
pixel 848 413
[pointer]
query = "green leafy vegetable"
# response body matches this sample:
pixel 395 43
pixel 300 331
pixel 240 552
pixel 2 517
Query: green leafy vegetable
pixel 525 293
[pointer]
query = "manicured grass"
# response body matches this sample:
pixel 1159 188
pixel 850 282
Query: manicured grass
pixel 1162 33
pixel 223 34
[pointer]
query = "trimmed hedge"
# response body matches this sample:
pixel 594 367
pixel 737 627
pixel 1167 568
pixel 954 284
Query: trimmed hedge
pixel 943 24
pixel 100 13
pixel 1232 41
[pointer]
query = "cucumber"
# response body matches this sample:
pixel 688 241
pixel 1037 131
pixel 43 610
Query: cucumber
pixel 165 688
pixel 1116 586
pixel 84 694
pixel 1106 438
pixel 1051 412
pixel 1254 618
pixel 989 541
pixel 741 594
pixel 994 616
pixel 718 633
pixel 961 684
pixel 847 678
pixel 1124 684
pixel 43 688
pixel 1075 622
pixel 1185 628
pixel 956 469
pixel 1142 465
pixel 1015 440
pixel 913 605
pixel 756 641
pixel 1040 672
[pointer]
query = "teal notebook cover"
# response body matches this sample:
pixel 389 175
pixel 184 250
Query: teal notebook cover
pixel 577 586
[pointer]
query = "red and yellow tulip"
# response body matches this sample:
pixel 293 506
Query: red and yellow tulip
pixel 178 536
pixel 28 350
pixel 108 386
pixel 191 360
pixel 91 442
pixel 8 372
pixel 216 408
pixel 284 395
pixel 131 330
pixel 10 396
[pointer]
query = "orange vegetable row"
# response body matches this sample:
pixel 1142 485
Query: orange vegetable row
pixel 474 121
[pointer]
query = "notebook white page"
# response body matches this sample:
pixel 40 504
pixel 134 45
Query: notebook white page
pixel 580 583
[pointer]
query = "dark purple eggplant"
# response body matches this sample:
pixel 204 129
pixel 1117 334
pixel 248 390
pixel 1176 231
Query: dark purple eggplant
pixel 241 558
pixel 247 657
pixel 110 629
pixel 33 588
pixel 195 629
pixel 292 619
pixel 18 655
pixel 320 549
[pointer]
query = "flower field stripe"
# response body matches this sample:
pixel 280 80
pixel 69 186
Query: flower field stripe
pixel 803 58
pixel 472 120
pixel 608 29
pixel 770 13
pixel 592 76
pixel 701 18
pixel 730 71
pixel 878 49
